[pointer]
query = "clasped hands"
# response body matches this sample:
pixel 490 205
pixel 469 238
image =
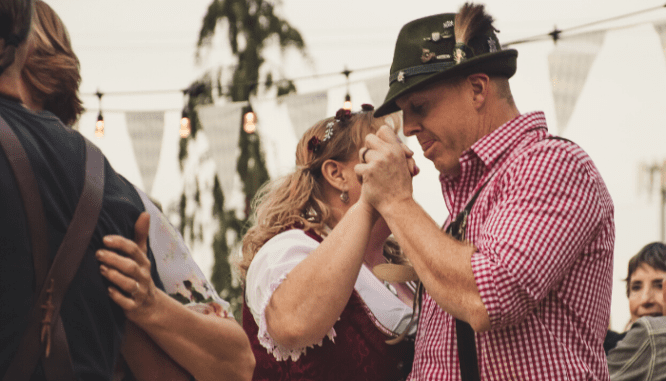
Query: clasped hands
pixel 386 169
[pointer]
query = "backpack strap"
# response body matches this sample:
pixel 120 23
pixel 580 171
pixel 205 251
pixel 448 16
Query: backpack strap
pixel 45 336
pixel 32 201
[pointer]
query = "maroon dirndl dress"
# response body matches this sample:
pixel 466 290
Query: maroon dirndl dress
pixel 359 353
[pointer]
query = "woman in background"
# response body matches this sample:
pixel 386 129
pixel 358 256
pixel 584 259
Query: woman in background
pixel 641 354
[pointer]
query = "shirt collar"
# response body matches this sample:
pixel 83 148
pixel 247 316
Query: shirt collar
pixel 491 146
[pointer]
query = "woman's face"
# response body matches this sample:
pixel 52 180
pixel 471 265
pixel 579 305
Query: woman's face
pixel 646 296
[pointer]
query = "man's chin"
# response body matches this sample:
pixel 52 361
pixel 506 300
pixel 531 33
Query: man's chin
pixel 448 171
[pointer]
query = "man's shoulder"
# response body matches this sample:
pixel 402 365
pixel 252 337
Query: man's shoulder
pixel 555 153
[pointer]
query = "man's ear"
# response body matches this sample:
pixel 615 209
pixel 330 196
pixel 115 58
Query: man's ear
pixel 480 84
pixel 332 171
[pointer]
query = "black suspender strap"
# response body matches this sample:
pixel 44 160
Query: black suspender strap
pixel 469 364
pixel 45 336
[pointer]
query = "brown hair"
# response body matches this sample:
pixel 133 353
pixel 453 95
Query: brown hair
pixel 297 200
pixel 51 72
pixel 15 19
pixel 652 254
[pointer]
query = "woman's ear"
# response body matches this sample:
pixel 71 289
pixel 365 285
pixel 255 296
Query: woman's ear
pixel 332 171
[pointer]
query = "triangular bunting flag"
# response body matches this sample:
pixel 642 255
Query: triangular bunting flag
pixel 222 125
pixel 661 31
pixel 278 140
pixel 569 64
pixel 378 88
pixel 305 109
pixel 146 130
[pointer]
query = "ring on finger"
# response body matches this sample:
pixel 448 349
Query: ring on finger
pixel 136 289
pixel 363 155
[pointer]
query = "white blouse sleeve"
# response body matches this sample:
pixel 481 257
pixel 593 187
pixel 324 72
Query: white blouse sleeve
pixel 182 278
pixel 269 267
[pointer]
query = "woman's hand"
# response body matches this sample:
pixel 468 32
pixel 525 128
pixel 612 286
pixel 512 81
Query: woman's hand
pixel 134 290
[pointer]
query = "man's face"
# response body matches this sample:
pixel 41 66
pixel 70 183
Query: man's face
pixel 646 294
pixel 443 119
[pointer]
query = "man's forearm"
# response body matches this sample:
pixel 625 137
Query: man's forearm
pixel 442 263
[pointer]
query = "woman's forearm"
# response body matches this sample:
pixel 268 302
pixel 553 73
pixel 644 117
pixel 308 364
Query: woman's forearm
pixel 310 300
pixel 207 346
pixel 146 359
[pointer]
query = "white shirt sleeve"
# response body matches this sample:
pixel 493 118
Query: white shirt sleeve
pixel 182 278
pixel 269 267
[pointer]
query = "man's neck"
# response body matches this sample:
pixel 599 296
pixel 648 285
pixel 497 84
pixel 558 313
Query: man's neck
pixel 502 113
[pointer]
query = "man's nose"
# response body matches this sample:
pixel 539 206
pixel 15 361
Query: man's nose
pixel 409 126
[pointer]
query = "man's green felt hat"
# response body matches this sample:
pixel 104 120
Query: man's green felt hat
pixel 426 52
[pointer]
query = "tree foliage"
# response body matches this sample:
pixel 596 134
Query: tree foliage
pixel 252 26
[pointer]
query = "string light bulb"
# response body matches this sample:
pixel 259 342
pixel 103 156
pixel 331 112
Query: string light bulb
pixel 185 125
pixel 348 104
pixel 99 125
pixel 250 121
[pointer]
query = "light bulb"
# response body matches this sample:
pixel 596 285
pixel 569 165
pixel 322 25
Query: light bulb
pixel 250 122
pixel 347 105
pixel 99 127
pixel 185 127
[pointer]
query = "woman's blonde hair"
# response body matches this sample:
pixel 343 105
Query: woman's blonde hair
pixel 297 200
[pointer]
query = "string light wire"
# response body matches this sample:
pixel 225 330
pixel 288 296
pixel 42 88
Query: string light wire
pixel 555 35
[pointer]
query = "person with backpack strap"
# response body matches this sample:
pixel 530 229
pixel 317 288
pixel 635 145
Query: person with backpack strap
pixel 62 324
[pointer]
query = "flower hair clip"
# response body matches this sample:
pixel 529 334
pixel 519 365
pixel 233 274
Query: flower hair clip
pixel 314 144
pixel 329 131
pixel 342 115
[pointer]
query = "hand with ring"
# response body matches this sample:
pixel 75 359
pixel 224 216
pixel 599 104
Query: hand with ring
pixel 386 169
pixel 411 163
pixel 132 286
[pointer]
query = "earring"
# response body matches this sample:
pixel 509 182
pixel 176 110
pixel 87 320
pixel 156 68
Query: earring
pixel 344 196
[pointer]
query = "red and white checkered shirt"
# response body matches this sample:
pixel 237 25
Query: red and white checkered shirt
pixel 543 227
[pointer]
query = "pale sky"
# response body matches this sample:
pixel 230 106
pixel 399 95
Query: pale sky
pixel 130 45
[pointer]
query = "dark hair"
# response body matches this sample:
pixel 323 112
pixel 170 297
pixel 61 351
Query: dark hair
pixel 51 71
pixel 652 254
pixel 15 19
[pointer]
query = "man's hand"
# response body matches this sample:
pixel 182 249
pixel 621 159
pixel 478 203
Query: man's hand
pixel 386 169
